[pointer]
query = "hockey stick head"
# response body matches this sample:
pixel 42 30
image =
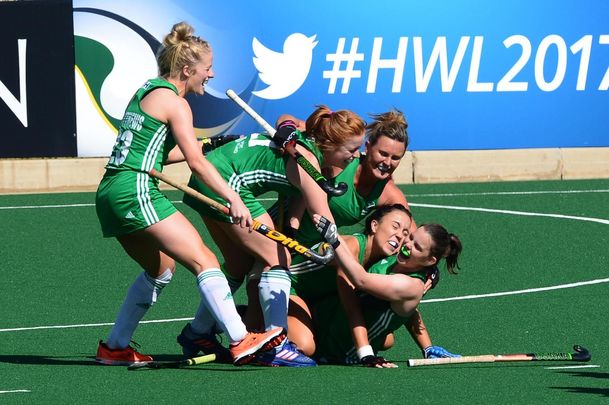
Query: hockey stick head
pixel 324 254
pixel 331 190
pixel 581 354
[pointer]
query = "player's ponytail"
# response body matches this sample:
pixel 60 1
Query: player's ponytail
pixel 453 252
pixel 444 246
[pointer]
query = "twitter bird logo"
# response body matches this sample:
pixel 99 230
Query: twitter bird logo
pixel 285 72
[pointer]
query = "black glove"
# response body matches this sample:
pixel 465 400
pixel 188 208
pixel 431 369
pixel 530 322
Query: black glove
pixel 433 274
pixel 328 231
pixel 286 135
pixel 214 142
pixel 372 361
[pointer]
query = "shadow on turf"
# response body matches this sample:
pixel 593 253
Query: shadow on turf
pixel 581 390
pixel 604 392
pixel 90 361
pixel 46 360
pixel 590 374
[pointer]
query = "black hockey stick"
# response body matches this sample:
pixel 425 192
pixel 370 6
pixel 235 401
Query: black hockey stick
pixel 581 354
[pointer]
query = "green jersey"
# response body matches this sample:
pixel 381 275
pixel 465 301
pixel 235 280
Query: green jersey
pixel 332 331
pixel 127 198
pixel 143 142
pixel 251 166
pixel 347 209
pixel 312 281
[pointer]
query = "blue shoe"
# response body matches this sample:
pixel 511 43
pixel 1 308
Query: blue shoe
pixel 206 343
pixel 284 355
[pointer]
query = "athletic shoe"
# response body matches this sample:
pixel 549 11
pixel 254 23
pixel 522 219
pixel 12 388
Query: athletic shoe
pixel 206 343
pixel 244 351
pixel 284 355
pixel 120 357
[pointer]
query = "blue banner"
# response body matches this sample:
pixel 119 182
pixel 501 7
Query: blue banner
pixel 467 74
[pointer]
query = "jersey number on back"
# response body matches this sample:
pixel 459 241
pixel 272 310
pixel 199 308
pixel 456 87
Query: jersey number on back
pixel 260 140
pixel 121 148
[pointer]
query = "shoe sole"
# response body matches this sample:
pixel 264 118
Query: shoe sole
pixel 108 362
pixel 248 355
pixel 283 364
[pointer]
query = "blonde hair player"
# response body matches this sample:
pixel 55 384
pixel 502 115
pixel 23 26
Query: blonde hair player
pixel 152 232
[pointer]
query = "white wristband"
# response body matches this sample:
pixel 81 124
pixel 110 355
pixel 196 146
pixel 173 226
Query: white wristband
pixel 365 351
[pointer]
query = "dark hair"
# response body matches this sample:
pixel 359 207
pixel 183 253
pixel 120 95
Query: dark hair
pixel 380 212
pixel 331 128
pixel 444 245
pixel 391 124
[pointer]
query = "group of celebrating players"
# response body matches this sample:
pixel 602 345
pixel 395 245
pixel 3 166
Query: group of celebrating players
pixel 299 313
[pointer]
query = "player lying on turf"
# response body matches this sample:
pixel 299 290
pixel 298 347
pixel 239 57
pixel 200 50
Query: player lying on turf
pixel 386 228
pixel 394 288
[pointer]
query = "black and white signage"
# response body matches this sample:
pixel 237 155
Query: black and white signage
pixel 37 107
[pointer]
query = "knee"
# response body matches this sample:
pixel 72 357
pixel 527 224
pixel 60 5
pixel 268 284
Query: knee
pixel 282 258
pixel 304 341
pixel 300 326
pixel 156 285
pixel 308 348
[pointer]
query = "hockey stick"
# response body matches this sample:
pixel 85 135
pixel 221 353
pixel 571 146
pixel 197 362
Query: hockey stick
pixel 328 253
pixel 208 358
pixel 581 354
pixel 325 184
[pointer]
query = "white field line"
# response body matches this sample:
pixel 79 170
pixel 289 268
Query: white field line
pixel 508 193
pixel 568 367
pixel 510 212
pixel 30 207
pixel 489 193
pixel 25 207
pixel 519 292
pixel 90 325
pixel 13 391
pixel 466 297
